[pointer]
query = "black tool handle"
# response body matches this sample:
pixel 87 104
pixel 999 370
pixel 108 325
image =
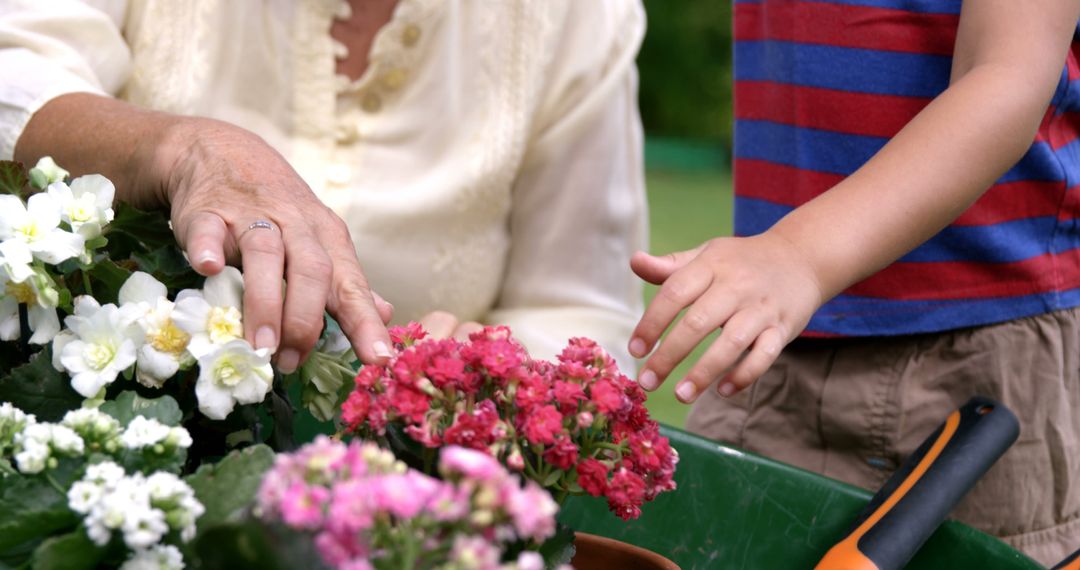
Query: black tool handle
pixel 919 495
pixel 1072 562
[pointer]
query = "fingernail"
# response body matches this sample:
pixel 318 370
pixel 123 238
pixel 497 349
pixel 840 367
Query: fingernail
pixel 204 257
pixel 381 350
pixel 287 361
pixel 265 338
pixel 726 389
pixel 637 347
pixel 648 380
pixel 686 391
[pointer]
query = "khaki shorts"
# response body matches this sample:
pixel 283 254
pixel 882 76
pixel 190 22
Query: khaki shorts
pixel 853 409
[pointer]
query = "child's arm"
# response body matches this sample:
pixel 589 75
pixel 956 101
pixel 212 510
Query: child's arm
pixel 762 290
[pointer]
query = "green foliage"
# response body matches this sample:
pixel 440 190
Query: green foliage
pixel 128 404
pixel 38 388
pixel 73 551
pixel 559 549
pixel 31 507
pixel 685 67
pixel 228 489
pixel 13 178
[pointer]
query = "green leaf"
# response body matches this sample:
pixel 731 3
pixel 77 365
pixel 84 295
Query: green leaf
pixel 559 549
pixel 38 388
pixel 133 230
pixel 281 409
pixel 128 404
pixel 31 508
pixel 108 278
pixel 251 544
pixel 168 264
pixel 552 478
pixel 13 177
pixel 73 551
pixel 227 489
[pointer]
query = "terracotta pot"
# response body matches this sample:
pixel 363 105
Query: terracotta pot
pixel 596 552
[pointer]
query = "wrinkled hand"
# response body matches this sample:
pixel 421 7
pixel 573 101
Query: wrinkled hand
pixel 440 324
pixel 220 179
pixel 759 290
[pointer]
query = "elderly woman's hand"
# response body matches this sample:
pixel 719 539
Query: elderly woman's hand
pixel 234 199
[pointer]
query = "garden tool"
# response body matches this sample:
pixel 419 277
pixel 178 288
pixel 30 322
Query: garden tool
pixel 916 499
pixel 1071 562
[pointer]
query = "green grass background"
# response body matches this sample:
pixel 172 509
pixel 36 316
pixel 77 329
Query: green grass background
pixel 686 207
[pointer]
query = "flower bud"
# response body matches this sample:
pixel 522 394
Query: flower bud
pixel 584 420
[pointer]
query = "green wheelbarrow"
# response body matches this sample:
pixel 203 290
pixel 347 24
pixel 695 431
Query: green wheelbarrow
pixel 734 510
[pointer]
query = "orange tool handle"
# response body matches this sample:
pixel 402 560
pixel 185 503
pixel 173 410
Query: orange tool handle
pixel 918 497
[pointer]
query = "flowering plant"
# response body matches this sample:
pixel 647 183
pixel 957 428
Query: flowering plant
pixel 368 510
pixel 575 426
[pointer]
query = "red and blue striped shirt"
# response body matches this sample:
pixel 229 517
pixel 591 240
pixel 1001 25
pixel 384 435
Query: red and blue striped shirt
pixel 821 86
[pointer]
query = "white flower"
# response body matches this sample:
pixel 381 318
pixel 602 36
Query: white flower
pixel 12 422
pixel 104 344
pixel 15 260
pixel 38 442
pixel 144 432
pixel 83 495
pixel 50 170
pixel 212 316
pixel 37 225
pixel 91 421
pixel 235 372
pixel 164 350
pixel 86 205
pixel 106 473
pixel 177 500
pixel 40 296
pixel 160 557
pixel 144 527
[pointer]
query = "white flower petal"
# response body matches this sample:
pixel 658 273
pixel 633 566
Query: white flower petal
pixel 226 289
pixel 154 366
pixel 50 169
pixel 12 215
pixel 58 245
pixel 89 383
pixel 44 322
pixel 190 314
pixel 214 402
pixel 9 318
pixel 15 260
pixel 102 188
pixel 44 210
pixel 141 287
pixel 59 342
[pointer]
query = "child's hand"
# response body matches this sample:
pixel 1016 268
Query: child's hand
pixel 760 290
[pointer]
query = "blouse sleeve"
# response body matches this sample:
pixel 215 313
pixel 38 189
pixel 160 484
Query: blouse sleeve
pixel 50 48
pixel 579 209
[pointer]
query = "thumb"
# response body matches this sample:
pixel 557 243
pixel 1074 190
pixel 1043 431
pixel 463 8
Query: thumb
pixel 656 269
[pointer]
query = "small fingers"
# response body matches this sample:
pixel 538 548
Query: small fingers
pixel 308 274
pixel 439 324
pixel 657 268
pixel 682 289
pixel 766 349
pixel 738 334
pixel 204 241
pixel 702 318
pixel 263 259
pixel 467 328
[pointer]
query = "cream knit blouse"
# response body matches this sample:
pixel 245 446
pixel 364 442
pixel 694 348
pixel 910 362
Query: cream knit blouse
pixel 488 163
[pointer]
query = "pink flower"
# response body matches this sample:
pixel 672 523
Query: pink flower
pixel 302 505
pixel 407 335
pixel 542 425
pixel 533 511
pixel 568 394
pixel 608 397
pixel 475 553
pixel 592 477
pixel 352 507
pixel 532 391
pixel 563 455
pixel 354 412
pixel 625 493
pixel 404 496
pixel 469 463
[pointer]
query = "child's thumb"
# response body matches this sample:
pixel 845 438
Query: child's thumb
pixel 657 268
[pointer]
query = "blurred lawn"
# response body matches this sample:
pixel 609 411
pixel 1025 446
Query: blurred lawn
pixel 685 208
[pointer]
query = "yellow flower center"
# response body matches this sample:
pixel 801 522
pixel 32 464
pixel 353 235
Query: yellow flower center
pixel 29 232
pixel 82 209
pixel 98 356
pixel 169 338
pixel 22 292
pixel 226 373
pixel 224 324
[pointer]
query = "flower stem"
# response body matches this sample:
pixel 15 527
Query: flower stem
pixel 55 485
pixel 86 283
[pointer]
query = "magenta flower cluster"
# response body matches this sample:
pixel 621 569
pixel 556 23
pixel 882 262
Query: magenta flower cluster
pixel 367 510
pixel 575 426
